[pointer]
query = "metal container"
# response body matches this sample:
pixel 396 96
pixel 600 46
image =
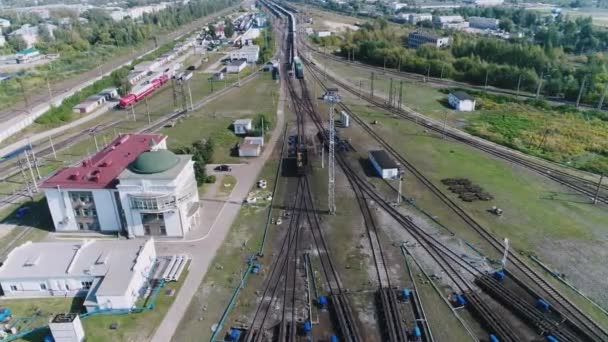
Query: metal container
pixel 499 275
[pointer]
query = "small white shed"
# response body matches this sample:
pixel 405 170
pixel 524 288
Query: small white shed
pixel 242 126
pixel 461 101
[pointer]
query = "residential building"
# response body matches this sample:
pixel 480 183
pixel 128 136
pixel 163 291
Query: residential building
pixel 236 66
pixel 109 274
pixel 384 165
pixel 397 6
pixel 4 23
pixel 461 101
pixel 417 39
pixel 242 126
pixel 133 185
pixel 85 107
pixel 250 53
pixel 483 23
pixel 30 33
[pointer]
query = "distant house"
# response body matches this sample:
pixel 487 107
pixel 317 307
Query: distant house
pixel 461 101
pixel 31 33
pixel 236 66
pixel 109 93
pixel 384 165
pixel 4 23
pixel 242 126
pixel 417 39
pixel 321 34
pixel 218 76
pixel 2 40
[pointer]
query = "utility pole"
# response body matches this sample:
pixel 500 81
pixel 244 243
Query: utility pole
pixel 601 103
pixel 428 72
pixel 96 145
pixel 133 111
pixel 24 94
pixel 189 94
pixel 384 63
pixel 505 254
pixel 580 91
pixel 487 74
pixel 597 191
pixel 360 86
pixel 48 87
pixel 400 183
pixel 323 157
pixel 445 124
pixel 372 85
pixel 147 110
pixel 442 67
pixel 29 166
pixel 540 84
pixel 53 147
pixel 400 93
pixel 332 98
pixel 35 161
pixel 518 85
pixel 27 183
pixel 390 95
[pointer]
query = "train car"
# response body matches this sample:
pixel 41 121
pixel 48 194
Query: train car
pixel 16 152
pixel 139 93
pixel 299 68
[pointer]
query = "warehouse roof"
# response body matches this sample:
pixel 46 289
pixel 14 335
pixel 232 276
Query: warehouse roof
pixel 100 170
pixel 461 95
pixel 112 259
pixel 383 159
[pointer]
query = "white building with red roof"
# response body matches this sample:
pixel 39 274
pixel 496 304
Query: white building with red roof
pixel 134 185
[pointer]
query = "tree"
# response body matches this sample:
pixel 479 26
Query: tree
pixel 17 43
pixel 506 25
pixel 211 30
pixel 228 28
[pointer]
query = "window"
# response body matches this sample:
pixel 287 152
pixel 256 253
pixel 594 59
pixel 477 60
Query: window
pixel 94 212
pixel 146 230
pixel 85 212
pixel 163 230
pixel 81 226
pixel 14 288
pixel 86 285
pixel 42 286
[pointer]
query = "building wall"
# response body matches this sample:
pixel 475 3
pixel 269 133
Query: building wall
pixel 461 105
pixel 235 68
pixel 60 206
pixel 384 173
pixel 483 23
pixel 54 287
pixel 177 222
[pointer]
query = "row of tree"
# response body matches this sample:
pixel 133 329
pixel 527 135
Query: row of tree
pixel 481 60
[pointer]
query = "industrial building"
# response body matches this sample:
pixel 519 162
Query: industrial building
pixel 133 185
pixel 250 53
pixel 384 165
pixel 28 55
pixel 109 274
pixel 483 23
pixel 417 39
pixel 461 101
pixel 414 18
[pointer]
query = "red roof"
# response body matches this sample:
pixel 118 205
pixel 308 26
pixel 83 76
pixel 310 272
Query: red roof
pixel 100 170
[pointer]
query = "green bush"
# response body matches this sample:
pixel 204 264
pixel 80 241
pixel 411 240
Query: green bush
pixel 210 179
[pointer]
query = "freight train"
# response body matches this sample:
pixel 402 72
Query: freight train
pixel 140 92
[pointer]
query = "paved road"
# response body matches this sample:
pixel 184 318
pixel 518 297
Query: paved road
pixel 217 218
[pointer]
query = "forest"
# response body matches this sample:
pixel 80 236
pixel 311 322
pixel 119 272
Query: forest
pixel 509 64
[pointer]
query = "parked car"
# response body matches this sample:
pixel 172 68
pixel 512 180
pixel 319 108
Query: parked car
pixel 223 168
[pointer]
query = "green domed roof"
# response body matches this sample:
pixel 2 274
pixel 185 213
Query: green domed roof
pixel 154 162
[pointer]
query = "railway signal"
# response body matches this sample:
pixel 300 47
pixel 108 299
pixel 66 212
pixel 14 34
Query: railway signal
pixel 332 98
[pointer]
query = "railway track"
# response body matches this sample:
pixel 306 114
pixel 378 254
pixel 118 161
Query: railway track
pixel 593 330
pixel 579 184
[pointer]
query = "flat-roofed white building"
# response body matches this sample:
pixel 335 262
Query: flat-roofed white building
pixel 134 185
pixel 110 274
pixel 417 39
pixel 236 66
pixel 251 53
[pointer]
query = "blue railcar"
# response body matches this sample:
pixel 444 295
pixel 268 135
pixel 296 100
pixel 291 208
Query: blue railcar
pixel 542 304
pixel 405 294
pixel 307 327
pixel 334 338
pixel 416 332
pixel 499 275
pixel 551 339
pixel 460 300
pixel 493 338
pixel 322 301
pixel 234 335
